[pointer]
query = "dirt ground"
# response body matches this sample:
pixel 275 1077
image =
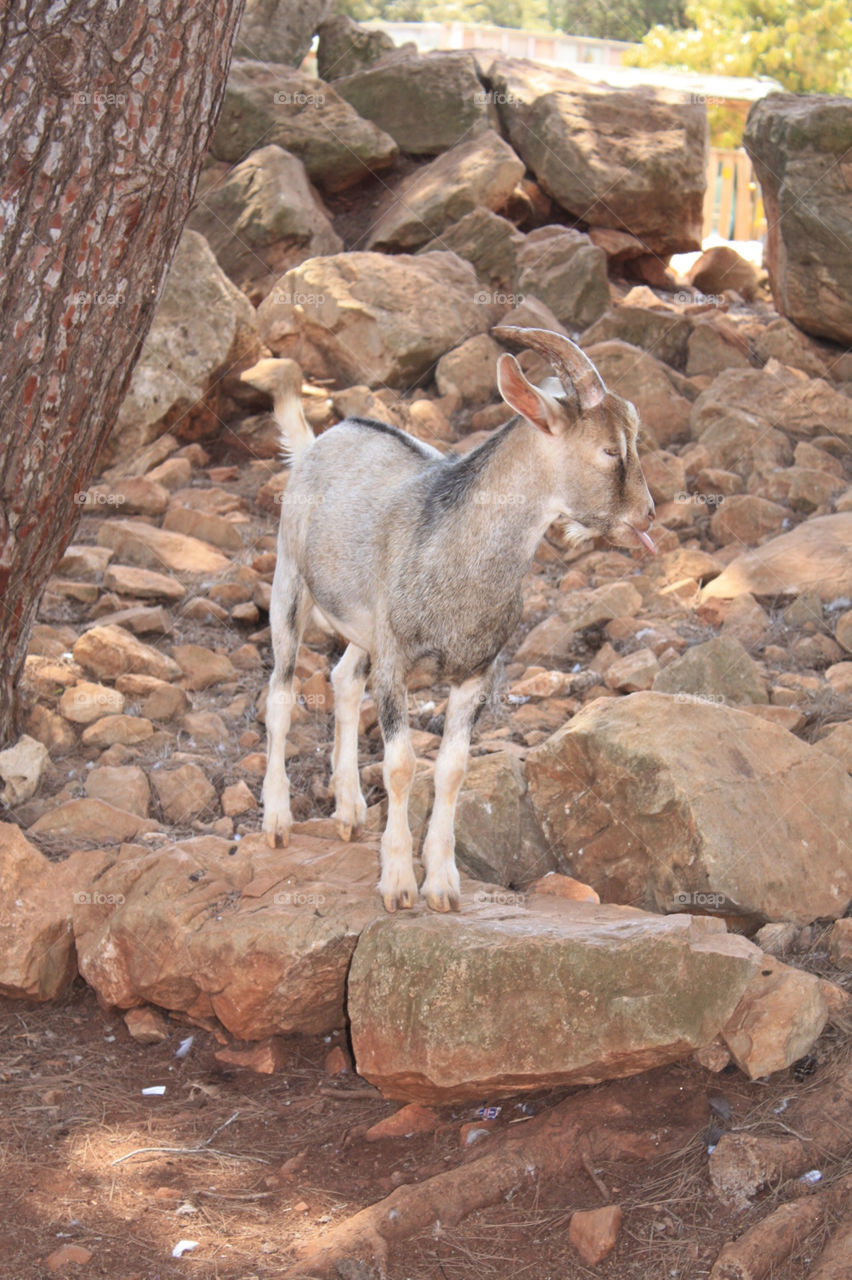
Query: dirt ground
pixel 251 1166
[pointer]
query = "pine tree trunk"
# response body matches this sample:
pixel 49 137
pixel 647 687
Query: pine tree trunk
pixel 105 115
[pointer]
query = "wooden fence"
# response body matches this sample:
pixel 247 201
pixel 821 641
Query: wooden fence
pixel 733 208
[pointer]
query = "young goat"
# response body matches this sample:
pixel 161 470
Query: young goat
pixel 417 559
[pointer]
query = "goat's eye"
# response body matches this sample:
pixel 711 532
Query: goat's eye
pixel 612 453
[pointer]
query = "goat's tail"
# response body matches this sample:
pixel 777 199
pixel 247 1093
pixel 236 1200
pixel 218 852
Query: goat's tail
pixel 282 380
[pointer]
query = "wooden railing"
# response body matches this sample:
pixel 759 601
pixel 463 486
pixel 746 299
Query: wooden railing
pixel 733 208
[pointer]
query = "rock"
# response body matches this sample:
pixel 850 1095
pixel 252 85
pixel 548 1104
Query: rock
pixel 265 104
pixel 551 642
pixel 133 495
pixel 84 562
pixel 814 556
pixel 470 371
pixel 567 272
pixel 216 530
pixel 782 341
pixel 738 442
pixel 720 268
pixel 491 244
pixel 126 784
pixel 746 519
pixel 405 1123
pixel 203 326
pixel 60 1259
pixel 838 743
pixel 357 318
pixel 479 173
pixel 797 143
pixel 89 821
pixel 185 793
pixel 266 1058
pixel 594 1232
pixel 283 32
pixel 714 345
pixel 21 769
pixel 85 702
pixel 742 1164
pixel 146 584
pixel 745 621
pixel 345 47
pixel 655 328
pixel 719 671
pixel 555 885
pixel 630 160
pixel 550 974
pixel 297 912
pixel 634 671
pixel 781 1014
pixel 111 651
pixel 498 838
pixel 426 102
pixel 117 728
pixel 665 475
pixel 145 545
pixel 638 377
pixel 147 1026
pixel 51 730
pixel 263 217
pixel 202 667
pixel 591 608
pixel 776 396
pixel 672 804
pixel 37 959
pixel 237 799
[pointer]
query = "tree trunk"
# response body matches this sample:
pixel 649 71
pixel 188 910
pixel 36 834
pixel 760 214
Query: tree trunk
pixel 105 115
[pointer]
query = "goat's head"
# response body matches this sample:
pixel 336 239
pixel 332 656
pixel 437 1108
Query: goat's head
pixel 596 470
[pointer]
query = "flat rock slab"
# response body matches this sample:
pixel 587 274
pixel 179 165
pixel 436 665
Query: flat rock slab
pixel 812 557
pixel 259 938
pixel 548 993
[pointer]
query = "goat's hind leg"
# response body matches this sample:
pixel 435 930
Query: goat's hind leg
pixel 288 612
pixel 348 680
pixel 441 887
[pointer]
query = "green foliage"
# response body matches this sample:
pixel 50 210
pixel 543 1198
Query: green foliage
pixel 806 45
pixel 615 20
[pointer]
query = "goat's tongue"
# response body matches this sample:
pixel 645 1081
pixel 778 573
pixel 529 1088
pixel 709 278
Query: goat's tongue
pixel 645 539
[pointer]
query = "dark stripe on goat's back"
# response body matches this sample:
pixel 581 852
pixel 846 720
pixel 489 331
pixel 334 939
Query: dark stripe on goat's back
pixel 386 429
pixel 452 481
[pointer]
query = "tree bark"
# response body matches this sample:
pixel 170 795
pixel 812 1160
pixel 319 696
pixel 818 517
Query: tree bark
pixel 105 115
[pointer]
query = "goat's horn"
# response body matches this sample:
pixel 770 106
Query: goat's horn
pixel 573 365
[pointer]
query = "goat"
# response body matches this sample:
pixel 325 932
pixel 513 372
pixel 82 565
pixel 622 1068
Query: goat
pixel 416 558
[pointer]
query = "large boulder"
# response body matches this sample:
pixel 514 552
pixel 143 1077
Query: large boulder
pixel 567 272
pixel 640 378
pixel 265 103
pixel 345 47
pixel 676 802
pixel 280 30
pixel 481 172
pixel 781 397
pixel 628 159
pixel 203 326
pixel 659 330
pixel 718 671
pixel 488 241
pixel 534 996
pixel 799 145
pixel 263 217
pixel 426 102
pixel 812 557
pixel 373 319
pixel 260 939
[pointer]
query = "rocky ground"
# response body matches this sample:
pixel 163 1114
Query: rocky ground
pixel 628 1055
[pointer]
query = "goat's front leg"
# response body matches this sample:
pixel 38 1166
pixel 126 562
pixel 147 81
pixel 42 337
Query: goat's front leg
pixel 441 886
pixel 348 679
pixel 397 885
pixel 287 612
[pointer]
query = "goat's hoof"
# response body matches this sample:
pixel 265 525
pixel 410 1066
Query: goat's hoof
pixel 344 831
pixel 277 837
pixel 446 900
pixel 402 898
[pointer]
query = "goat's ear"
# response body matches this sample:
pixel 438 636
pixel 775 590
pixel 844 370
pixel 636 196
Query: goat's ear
pixel 530 402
